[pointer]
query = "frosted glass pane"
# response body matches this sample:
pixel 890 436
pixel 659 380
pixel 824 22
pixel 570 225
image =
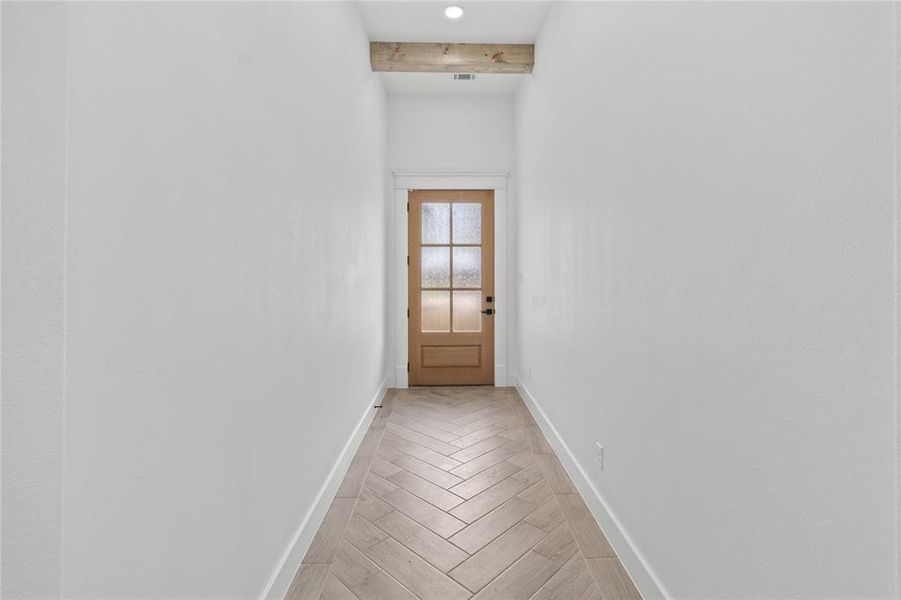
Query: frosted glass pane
pixel 435 311
pixel 435 223
pixel 467 223
pixel 436 267
pixel 467 307
pixel 467 267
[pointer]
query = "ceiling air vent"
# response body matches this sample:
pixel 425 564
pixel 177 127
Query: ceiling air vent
pixel 464 76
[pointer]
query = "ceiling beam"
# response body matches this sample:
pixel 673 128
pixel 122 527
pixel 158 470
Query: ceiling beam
pixel 434 57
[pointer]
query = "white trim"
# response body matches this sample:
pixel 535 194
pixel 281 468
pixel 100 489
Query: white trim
pixel 283 574
pixel 406 181
pixel 644 577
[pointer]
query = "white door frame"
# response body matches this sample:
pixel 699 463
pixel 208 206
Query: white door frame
pixel 406 181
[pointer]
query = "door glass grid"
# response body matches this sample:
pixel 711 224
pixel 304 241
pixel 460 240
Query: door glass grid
pixel 451 267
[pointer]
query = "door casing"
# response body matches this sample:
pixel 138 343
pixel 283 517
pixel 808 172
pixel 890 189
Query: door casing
pixel 406 181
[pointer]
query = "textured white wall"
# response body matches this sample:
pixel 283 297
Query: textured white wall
pixel 225 235
pixel 447 134
pixel 33 190
pixel 430 132
pixel 706 241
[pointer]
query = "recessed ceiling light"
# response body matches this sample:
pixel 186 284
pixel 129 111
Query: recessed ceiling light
pixel 453 12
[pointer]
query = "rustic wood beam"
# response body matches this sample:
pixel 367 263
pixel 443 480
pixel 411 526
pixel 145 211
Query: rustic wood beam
pixel 428 57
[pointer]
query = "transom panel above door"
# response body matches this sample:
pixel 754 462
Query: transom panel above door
pixel 451 318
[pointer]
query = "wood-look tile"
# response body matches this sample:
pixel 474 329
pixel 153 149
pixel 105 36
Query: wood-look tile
pixel 383 468
pixel 538 494
pixel 430 546
pixel 467 440
pixel 489 459
pixel 379 485
pixel 388 452
pixel 476 535
pixel 335 590
pixel 484 480
pixel 591 540
pixel 307 583
pixel 422 439
pixel 522 413
pixel 414 573
pixel 364 578
pixel 489 562
pixel 555 475
pixel 428 472
pixel 370 442
pixel 432 429
pixel 325 542
pixel 436 459
pixel 486 501
pixel 517 432
pixel 363 534
pixel 612 579
pixel 474 426
pixel 548 516
pixel 523 579
pixel 370 507
pixel 455 492
pixel 424 513
pixel 530 475
pixel 523 459
pixel 571 582
pixel 429 492
pixel 537 441
pixel 559 546
pixel 352 484
pixel 479 448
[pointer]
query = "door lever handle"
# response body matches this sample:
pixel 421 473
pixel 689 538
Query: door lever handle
pixel 488 311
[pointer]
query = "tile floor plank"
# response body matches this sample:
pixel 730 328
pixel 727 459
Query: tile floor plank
pixel 484 480
pixel 523 579
pixel 414 573
pixel 592 542
pixel 476 535
pixel 328 537
pixel 482 503
pixel 335 590
pixel 455 493
pixel 307 583
pixel 426 490
pixel 430 546
pixel 612 579
pixel 364 578
pixel 489 562
pixel 427 471
pixel 442 523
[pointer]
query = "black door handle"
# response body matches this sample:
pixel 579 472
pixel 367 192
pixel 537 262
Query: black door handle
pixel 489 311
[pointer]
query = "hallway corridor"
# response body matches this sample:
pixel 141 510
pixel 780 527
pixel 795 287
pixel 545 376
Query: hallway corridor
pixel 455 493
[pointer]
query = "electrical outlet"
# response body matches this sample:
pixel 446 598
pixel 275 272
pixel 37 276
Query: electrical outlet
pixel 599 450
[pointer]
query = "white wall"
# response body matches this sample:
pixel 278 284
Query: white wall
pixel 450 132
pixel 706 242
pixel 447 134
pixel 33 190
pixel 225 283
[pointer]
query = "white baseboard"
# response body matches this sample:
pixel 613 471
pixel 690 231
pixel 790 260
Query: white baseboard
pixel 284 572
pixel 500 375
pixel 401 377
pixel 642 574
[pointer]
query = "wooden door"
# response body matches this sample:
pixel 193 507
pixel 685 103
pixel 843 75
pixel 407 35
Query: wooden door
pixel 451 254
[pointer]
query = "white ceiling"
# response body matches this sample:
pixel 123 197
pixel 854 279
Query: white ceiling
pixel 483 21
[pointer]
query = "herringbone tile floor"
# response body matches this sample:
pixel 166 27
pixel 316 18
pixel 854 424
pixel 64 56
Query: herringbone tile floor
pixel 454 494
